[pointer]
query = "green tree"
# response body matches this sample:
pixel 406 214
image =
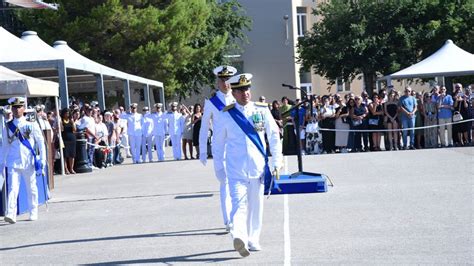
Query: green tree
pixel 373 38
pixel 174 41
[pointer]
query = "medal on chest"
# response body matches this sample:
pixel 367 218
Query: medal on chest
pixel 258 119
pixel 26 133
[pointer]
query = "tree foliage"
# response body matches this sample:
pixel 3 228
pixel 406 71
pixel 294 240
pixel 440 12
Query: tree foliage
pixel 376 38
pixel 174 41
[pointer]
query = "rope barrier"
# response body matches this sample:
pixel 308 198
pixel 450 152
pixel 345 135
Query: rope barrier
pixel 394 130
pixel 114 146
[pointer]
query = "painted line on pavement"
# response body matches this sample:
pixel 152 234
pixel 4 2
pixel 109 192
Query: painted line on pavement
pixel 286 231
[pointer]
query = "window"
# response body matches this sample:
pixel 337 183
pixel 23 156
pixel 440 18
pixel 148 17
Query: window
pixel 342 85
pixel 301 21
pixel 305 81
pixel 307 87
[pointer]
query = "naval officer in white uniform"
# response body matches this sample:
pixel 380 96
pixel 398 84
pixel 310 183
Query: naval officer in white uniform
pixel 212 114
pixel 159 131
pixel 19 159
pixel 134 124
pixel 147 135
pixel 175 130
pixel 245 163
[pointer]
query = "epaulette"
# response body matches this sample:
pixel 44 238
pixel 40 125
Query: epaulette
pixel 260 104
pixel 228 107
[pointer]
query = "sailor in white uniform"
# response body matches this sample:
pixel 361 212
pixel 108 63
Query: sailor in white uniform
pixel 175 130
pixel 20 160
pixel 147 135
pixel 159 131
pixel 245 162
pixel 212 114
pixel 134 124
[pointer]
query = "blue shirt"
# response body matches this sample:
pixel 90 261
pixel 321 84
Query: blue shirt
pixel 408 103
pixel 301 112
pixel 445 113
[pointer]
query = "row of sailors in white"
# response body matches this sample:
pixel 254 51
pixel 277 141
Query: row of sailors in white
pixel 150 129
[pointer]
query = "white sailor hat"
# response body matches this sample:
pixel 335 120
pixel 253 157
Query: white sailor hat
pixel 145 108
pixel 158 105
pixel 17 101
pixel 133 105
pixel 224 71
pixel 241 81
pixel 174 104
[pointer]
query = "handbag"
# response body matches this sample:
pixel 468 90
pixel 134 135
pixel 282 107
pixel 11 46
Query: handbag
pixel 373 121
pixel 356 122
pixel 457 116
pixel 312 127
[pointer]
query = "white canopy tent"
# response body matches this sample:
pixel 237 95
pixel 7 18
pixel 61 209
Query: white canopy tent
pixel 16 84
pixel 448 61
pixel 33 56
pixel 37 4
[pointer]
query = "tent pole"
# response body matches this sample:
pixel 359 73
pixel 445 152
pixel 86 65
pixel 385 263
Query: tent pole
pixel 126 90
pixel 59 135
pixel 162 96
pixel 100 91
pixel 146 89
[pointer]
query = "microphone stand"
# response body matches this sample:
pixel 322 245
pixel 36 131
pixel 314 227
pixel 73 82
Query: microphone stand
pixel 298 132
pixel 308 98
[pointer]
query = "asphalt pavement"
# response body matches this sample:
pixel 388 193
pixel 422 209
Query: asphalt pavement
pixel 403 207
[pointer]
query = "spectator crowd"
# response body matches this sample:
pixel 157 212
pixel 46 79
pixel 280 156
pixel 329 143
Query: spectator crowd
pixel 327 124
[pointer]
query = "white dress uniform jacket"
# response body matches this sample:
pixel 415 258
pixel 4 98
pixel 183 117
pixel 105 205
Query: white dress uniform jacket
pixel 159 132
pixel 211 113
pixel 243 159
pixel 20 163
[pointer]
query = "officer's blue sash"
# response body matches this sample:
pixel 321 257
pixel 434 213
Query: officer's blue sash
pixel 217 102
pixel 13 128
pixel 249 130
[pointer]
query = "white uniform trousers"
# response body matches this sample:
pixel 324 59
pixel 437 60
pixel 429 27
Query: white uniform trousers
pixel 29 176
pixel 160 147
pixel 226 203
pixel 176 143
pixel 247 209
pixel 135 146
pixel 147 145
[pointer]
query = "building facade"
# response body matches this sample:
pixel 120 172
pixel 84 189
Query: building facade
pixel 271 54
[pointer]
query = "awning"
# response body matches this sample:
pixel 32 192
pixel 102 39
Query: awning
pixel 14 84
pixel 448 61
pixel 32 4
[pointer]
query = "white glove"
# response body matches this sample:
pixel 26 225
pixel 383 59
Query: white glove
pixel 203 158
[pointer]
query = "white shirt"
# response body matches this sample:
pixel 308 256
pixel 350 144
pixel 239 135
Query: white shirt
pixel 174 123
pixel 101 131
pixel 211 112
pixel 17 155
pixel 134 124
pixel 243 159
pixel 147 125
pixel 159 124
pixel 87 122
